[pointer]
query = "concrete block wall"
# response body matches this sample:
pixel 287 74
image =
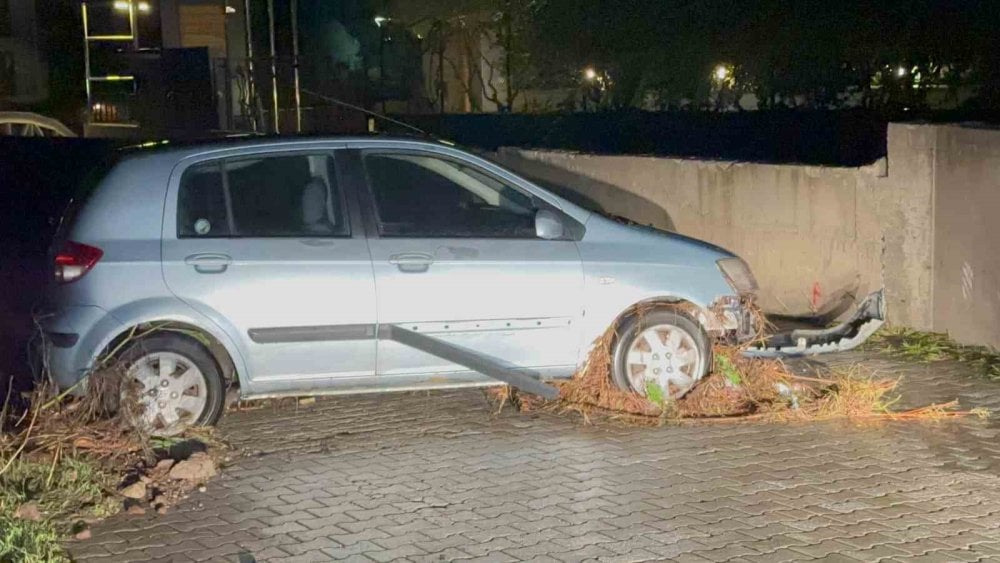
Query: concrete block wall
pixel 904 200
pixel 966 244
pixel 811 234
pixel 819 238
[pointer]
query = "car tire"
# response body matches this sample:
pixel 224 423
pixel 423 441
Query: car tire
pixel 175 383
pixel 663 345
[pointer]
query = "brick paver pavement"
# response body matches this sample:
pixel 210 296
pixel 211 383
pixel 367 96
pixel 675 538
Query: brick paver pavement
pixel 438 476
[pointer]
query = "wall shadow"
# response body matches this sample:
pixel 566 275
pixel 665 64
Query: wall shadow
pixel 585 192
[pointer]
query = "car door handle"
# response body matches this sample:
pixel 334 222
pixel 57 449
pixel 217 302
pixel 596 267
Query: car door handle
pixel 209 263
pixel 412 261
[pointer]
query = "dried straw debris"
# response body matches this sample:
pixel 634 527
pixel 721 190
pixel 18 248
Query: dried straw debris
pixel 738 389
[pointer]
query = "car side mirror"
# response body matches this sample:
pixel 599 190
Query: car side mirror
pixel 549 225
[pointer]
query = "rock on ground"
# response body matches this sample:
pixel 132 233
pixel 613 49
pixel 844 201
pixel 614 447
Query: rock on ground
pixel 164 464
pixel 196 468
pixel 136 490
pixel 28 511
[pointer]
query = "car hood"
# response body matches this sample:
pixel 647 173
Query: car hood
pixel 680 247
pixel 684 239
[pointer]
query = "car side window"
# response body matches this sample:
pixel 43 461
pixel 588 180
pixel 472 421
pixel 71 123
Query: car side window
pixel 428 196
pixel 201 204
pixel 262 196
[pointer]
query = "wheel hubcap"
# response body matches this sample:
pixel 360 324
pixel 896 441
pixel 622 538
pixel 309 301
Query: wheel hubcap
pixel 666 355
pixel 170 391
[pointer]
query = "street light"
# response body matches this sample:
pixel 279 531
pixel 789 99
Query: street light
pixel 123 6
pixel 901 71
pixel 379 20
pixel 590 74
pixel 721 72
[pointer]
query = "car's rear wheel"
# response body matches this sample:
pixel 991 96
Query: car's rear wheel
pixel 170 383
pixel 663 347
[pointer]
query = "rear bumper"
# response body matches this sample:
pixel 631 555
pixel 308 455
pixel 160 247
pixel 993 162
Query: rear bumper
pixel 72 338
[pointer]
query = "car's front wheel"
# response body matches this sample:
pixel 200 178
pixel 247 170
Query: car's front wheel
pixel 170 383
pixel 662 347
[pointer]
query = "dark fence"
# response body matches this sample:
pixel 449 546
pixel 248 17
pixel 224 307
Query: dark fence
pixel 836 138
pixel 37 176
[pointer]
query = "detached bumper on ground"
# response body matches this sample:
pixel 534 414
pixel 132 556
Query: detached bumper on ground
pixel 869 316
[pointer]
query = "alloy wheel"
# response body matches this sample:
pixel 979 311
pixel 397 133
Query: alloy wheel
pixel 170 391
pixel 666 355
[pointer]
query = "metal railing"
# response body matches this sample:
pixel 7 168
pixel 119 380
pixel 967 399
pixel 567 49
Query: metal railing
pixel 252 99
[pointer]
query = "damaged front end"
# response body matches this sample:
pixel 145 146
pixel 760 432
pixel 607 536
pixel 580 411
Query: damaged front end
pixel 733 319
pixel 736 320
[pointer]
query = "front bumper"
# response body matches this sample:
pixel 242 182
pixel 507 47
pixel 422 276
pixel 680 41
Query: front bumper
pixel 868 318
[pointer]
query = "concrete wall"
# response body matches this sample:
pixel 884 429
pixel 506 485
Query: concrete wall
pixel 966 280
pixel 904 201
pixel 811 234
pixel 922 223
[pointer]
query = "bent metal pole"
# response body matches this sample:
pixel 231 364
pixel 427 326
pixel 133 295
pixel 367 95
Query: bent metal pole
pixel 295 65
pixel 251 79
pixel 274 68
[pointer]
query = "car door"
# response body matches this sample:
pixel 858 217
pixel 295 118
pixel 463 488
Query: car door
pixel 265 245
pixel 456 257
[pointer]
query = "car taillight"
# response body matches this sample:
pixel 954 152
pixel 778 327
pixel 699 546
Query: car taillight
pixel 74 260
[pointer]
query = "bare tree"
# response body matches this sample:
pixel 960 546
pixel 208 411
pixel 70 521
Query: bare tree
pixel 482 42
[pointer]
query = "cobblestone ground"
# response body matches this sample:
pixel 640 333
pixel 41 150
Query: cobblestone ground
pixel 438 476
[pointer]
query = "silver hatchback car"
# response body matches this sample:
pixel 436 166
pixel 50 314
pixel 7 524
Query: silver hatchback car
pixel 275 264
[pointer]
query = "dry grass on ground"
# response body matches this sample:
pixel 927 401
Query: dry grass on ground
pixel 738 389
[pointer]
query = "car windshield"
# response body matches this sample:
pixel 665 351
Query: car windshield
pixel 566 192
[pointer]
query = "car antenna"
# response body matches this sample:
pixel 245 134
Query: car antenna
pixel 369 112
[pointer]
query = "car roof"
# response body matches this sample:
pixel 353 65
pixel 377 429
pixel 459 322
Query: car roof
pixel 184 148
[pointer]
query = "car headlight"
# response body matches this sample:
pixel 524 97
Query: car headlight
pixel 738 274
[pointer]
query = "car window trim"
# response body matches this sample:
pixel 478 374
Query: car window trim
pixel 354 176
pixel 230 216
pixel 343 169
pixel 365 179
pixel 350 217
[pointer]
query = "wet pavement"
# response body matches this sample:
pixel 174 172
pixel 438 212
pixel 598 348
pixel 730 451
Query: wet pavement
pixel 440 476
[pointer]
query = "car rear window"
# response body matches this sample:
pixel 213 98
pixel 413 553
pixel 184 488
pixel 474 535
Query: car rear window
pixel 201 208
